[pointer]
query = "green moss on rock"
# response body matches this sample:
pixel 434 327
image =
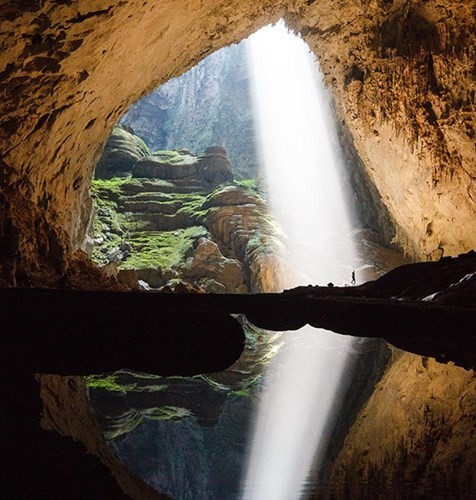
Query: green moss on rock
pixel 162 249
pixel 121 152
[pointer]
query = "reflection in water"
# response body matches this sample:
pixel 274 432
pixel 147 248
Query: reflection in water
pixel 193 438
pixel 301 388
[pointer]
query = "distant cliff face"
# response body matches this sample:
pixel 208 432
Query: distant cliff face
pixel 210 104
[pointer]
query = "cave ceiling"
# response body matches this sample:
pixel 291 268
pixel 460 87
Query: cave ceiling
pixel 402 75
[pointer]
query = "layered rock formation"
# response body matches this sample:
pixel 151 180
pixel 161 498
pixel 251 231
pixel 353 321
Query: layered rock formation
pixel 179 222
pixel 180 217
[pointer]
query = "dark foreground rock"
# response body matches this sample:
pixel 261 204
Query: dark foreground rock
pixel 423 308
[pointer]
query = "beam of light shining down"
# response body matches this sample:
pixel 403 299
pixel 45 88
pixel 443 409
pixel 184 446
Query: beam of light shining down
pixel 301 386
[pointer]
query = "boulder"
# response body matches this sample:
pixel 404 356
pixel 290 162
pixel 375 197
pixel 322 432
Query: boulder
pixel 121 152
pixel 129 278
pixel 167 165
pixel 212 270
pixel 214 166
pixel 232 195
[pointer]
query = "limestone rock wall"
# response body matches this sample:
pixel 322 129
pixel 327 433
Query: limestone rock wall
pixel 402 74
pixel 69 70
pixel 403 77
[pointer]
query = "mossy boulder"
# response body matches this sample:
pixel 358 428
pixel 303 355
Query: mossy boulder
pixel 121 152
pixel 203 172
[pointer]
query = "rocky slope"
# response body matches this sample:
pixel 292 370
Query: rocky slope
pixel 175 216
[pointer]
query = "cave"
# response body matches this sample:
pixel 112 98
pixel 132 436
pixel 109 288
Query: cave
pixel 402 76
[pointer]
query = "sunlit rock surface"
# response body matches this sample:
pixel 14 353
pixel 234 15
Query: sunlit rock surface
pixel 404 84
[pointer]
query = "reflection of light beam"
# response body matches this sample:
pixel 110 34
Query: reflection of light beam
pixel 301 385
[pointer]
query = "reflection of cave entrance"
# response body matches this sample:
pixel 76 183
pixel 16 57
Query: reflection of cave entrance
pixel 173 219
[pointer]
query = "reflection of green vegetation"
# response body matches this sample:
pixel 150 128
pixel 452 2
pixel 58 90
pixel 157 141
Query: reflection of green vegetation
pixel 248 183
pixel 107 382
pixel 213 383
pixel 116 382
pixel 242 393
pixel 161 249
pixel 166 413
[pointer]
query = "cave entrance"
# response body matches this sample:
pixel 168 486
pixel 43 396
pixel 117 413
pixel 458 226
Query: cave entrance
pixel 194 216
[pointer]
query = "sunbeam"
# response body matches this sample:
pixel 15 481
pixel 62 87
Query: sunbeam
pixel 300 155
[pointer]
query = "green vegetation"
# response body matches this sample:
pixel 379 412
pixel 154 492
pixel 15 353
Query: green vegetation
pixel 248 183
pixel 161 249
pixel 110 188
pixel 174 157
pixel 118 222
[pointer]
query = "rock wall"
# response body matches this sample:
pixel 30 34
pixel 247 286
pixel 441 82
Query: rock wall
pixel 403 77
